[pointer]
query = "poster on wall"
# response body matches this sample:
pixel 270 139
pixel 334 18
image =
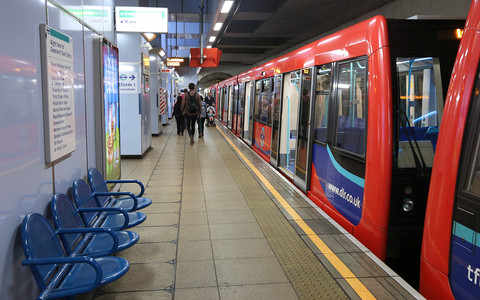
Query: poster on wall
pixel 58 97
pixel 107 114
pixel 111 110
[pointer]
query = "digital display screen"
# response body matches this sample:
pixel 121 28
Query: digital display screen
pixel 111 111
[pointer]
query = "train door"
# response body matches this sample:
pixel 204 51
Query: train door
pixel 277 88
pixel 225 105
pixel 248 118
pixel 231 102
pixel 263 118
pixel 289 120
pixel 464 272
pixel 303 155
pixel 241 108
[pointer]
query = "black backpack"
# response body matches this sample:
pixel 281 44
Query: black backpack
pixel 192 103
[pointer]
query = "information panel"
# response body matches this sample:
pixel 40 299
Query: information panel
pixel 141 19
pixel 58 96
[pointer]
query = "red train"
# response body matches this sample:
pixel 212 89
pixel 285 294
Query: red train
pixel 450 263
pixel 353 120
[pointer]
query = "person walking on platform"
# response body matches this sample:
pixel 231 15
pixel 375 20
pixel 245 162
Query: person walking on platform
pixel 177 112
pixel 201 119
pixel 191 108
pixel 209 99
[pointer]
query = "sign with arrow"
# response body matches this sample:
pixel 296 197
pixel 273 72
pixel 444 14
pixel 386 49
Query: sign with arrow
pixel 128 82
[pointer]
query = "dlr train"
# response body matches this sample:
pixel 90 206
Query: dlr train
pixel 353 120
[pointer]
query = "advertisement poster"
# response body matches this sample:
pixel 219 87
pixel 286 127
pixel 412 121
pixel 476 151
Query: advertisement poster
pixel 111 110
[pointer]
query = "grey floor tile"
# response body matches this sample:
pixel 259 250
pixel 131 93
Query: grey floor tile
pixel 241 248
pixel 143 277
pixel 156 234
pixel 161 219
pixel 160 295
pixel 210 293
pixel 194 250
pixel 277 291
pixel 193 206
pixel 194 232
pixel 166 207
pixel 235 231
pixel 227 205
pixel 225 217
pixel 194 274
pixel 224 196
pixel 249 271
pixel 149 253
pixel 160 197
pixel 161 190
pixel 193 218
pixel 193 197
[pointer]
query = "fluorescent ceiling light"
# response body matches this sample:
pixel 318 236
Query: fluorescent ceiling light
pixel 149 36
pixel 209 46
pixel 212 39
pixel 227 5
pixel 161 53
pixel 218 26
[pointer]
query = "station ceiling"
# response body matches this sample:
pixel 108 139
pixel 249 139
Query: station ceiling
pixel 254 30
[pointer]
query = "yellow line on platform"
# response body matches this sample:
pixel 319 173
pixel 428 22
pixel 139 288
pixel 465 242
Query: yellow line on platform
pixel 337 263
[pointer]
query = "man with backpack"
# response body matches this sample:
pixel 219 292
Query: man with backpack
pixel 191 105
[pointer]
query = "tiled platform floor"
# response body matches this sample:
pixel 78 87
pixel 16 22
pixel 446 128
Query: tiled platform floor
pixel 209 232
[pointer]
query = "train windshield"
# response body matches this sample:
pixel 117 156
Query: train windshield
pixel 420 110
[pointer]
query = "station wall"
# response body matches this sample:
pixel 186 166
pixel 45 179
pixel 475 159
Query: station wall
pixel 27 182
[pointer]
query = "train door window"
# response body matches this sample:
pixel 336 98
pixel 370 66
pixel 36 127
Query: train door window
pixel 352 106
pixel 420 108
pixel 241 109
pixel 289 121
pixel 303 124
pixel 248 122
pixel 322 99
pixel 257 108
pixel 276 117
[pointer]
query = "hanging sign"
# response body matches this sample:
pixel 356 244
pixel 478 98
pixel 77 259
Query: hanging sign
pixel 58 96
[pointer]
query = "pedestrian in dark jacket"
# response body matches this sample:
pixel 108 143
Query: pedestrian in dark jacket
pixel 190 110
pixel 177 112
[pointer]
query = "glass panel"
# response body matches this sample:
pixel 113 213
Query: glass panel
pixel 241 106
pixel 301 161
pixel 225 105
pixel 288 134
pixel 352 111
pixel 421 104
pixel 321 102
pixel 231 102
pixel 248 121
pixel 258 106
pixel 276 116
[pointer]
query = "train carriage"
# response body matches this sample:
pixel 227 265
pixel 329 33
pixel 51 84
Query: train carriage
pixel 352 119
pixel 450 260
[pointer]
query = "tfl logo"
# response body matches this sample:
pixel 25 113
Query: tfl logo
pixel 473 273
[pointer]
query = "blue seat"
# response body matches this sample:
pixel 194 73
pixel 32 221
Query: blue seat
pixel 110 199
pixel 78 239
pixel 94 215
pixel 58 274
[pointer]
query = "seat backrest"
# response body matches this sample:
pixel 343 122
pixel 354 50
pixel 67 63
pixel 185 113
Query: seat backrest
pixel 65 215
pixel 97 184
pixel 39 241
pixel 83 198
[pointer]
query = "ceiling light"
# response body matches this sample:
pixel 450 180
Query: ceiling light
pixel 227 5
pixel 149 36
pixel 161 53
pixel 218 26
pixel 212 39
pixel 209 46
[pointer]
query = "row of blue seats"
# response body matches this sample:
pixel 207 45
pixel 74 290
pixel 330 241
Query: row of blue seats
pixel 75 256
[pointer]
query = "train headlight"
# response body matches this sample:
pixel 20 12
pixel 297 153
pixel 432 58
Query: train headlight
pixel 408 190
pixel 407 204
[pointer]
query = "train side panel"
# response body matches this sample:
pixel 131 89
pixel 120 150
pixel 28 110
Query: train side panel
pixel 437 238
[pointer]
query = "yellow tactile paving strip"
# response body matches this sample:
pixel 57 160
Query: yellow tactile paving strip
pixel 307 274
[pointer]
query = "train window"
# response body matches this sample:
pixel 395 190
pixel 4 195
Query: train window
pixel 321 102
pixel 420 106
pixel 352 100
pixel 473 179
pixel 263 102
